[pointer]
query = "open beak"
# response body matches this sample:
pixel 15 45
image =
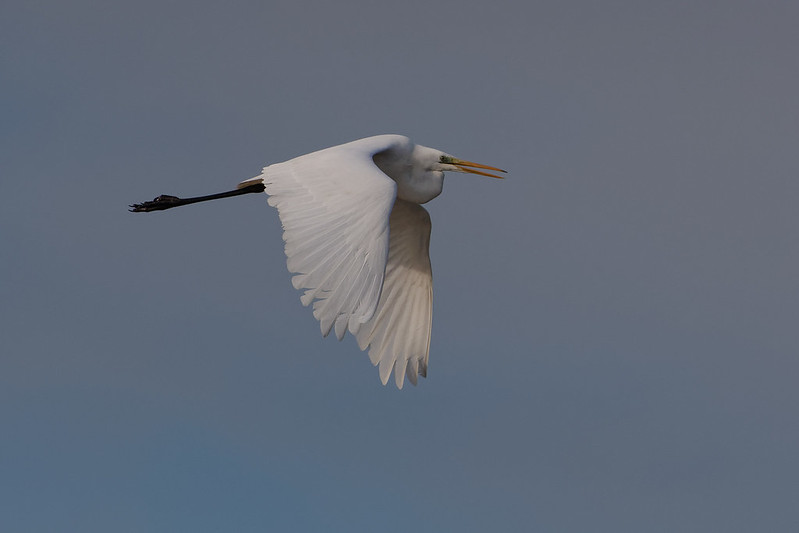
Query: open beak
pixel 463 166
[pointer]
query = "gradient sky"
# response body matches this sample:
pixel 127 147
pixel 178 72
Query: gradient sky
pixel 615 331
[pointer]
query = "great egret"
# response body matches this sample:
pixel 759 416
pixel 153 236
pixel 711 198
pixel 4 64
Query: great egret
pixel 357 240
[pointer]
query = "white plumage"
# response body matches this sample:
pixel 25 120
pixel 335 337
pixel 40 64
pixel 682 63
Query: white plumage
pixel 356 240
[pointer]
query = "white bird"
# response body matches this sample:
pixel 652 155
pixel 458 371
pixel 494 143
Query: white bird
pixel 356 240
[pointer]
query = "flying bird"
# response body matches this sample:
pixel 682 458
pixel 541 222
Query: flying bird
pixel 357 240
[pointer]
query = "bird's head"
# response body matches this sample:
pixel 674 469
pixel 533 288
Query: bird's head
pixel 432 160
pixel 420 173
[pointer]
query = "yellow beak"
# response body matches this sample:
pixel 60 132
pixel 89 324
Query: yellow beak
pixel 463 167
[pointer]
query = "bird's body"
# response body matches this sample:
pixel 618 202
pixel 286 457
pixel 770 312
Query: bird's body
pixel 357 240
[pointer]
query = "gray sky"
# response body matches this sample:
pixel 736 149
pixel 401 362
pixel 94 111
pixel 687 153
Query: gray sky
pixel 615 330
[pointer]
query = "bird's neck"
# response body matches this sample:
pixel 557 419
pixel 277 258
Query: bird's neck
pixel 420 188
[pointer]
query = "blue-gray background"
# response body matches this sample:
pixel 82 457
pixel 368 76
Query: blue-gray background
pixel 615 333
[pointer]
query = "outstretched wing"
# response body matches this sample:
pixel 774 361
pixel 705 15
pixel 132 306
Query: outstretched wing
pixel 398 335
pixel 334 205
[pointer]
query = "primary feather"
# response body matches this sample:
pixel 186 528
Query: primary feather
pixel 398 335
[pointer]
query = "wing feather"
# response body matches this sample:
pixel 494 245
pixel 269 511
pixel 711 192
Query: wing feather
pixel 398 335
pixel 359 254
pixel 334 206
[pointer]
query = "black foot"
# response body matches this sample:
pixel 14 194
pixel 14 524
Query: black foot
pixel 158 204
